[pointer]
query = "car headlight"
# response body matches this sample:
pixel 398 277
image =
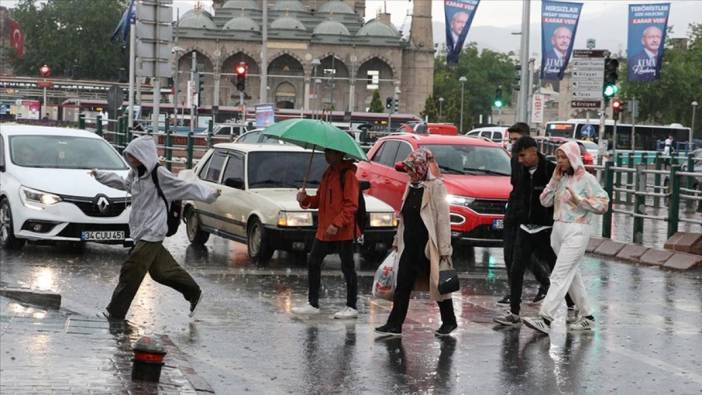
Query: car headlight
pixel 378 220
pixel 459 200
pixel 295 218
pixel 37 199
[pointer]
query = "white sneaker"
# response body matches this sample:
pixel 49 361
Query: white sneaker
pixel 307 309
pixel 346 313
pixel 582 324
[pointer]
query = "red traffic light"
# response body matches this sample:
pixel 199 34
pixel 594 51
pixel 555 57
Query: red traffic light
pixel 616 104
pixel 241 68
pixel 45 71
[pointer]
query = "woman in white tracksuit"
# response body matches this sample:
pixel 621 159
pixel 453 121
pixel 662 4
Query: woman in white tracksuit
pixel 576 196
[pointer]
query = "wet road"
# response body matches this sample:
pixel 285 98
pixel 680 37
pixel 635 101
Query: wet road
pixel 649 326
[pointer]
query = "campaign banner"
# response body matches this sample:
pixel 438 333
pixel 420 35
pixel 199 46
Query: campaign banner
pixel 265 115
pixel 559 22
pixel 459 15
pixel 647 28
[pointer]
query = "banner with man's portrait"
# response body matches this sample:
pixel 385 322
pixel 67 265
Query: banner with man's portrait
pixel 647 28
pixel 559 22
pixel 459 15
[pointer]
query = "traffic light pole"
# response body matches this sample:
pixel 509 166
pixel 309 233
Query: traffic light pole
pixel 243 113
pixel 193 67
pixel 601 134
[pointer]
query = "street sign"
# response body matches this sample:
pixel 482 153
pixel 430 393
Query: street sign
pixel 537 108
pixel 587 78
pixel 154 33
pixel 114 100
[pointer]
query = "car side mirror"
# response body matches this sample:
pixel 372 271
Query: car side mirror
pixel 399 166
pixel 236 183
pixel 364 185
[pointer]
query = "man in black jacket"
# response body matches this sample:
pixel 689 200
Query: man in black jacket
pixel 534 222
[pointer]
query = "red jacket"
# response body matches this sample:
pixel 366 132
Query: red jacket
pixel 336 207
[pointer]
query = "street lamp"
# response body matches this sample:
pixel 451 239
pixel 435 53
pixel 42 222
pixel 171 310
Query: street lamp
pixel 462 80
pixel 692 126
pixel 441 105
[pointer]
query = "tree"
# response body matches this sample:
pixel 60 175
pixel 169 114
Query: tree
pixel 484 71
pixel 376 105
pixel 72 37
pixel 668 99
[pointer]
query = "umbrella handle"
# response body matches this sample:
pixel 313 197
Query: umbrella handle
pixel 309 166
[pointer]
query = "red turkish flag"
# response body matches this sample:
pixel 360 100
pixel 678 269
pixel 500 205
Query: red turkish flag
pixel 16 38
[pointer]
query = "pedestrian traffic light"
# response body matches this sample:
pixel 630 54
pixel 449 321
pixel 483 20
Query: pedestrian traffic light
pixel 388 103
pixel 240 71
pixel 610 88
pixel 498 103
pixel 616 108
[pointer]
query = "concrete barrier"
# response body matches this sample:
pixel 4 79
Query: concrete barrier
pixel 655 257
pixel 609 248
pixel 632 252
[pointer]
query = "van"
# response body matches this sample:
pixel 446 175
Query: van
pixel 496 134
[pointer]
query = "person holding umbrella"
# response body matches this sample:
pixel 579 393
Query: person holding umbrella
pixel 337 201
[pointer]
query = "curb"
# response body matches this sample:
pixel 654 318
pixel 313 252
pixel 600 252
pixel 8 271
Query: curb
pixel 182 364
pixel 47 300
pixel 638 254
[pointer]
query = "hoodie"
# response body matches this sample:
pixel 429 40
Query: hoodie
pixel 594 199
pixel 148 217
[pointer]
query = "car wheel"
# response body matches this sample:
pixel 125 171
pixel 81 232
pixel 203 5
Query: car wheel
pixel 192 228
pixel 8 240
pixel 257 242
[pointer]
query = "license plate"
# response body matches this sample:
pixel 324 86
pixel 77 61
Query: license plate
pixel 498 224
pixel 102 235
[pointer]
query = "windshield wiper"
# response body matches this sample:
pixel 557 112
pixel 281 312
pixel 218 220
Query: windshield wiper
pixel 275 183
pixel 499 173
pixel 451 169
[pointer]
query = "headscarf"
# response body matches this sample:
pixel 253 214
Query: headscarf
pixel 572 151
pixel 418 162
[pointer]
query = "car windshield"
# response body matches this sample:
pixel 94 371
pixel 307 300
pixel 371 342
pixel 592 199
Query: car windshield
pixel 471 159
pixel 64 152
pixel 284 169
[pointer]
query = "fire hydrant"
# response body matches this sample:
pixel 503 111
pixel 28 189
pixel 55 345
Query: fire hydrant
pixel 148 359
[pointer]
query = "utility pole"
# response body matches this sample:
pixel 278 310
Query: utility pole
pixel 263 90
pixel 462 80
pixel 193 87
pixel 524 62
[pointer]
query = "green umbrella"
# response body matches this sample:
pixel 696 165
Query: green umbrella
pixel 312 134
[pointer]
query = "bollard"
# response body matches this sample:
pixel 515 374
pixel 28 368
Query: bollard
pixel 98 126
pixel 148 360
pixel 630 177
pixel 189 163
pixel 639 204
pixel 168 149
pixel 210 126
pixel 674 201
pixel 657 179
pixel 81 121
pixel 607 217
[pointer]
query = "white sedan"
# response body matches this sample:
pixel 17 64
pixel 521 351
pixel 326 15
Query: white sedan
pixel 258 207
pixel 47 194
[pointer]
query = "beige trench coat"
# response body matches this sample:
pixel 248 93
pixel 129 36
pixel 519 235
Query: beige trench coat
pixel 435 215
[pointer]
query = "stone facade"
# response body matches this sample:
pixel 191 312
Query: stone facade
pixel 320 54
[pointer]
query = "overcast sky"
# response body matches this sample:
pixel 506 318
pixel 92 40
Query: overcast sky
pixel 495 20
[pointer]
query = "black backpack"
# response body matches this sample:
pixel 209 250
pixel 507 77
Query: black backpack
pixel 361 213
pixel 173 211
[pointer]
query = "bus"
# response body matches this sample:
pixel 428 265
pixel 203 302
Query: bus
pixel 647 137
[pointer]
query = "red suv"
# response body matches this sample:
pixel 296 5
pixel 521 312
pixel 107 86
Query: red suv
pixel 476 174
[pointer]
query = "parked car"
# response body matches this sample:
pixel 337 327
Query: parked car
pixel 256 136
pixel 258 205
pixel 497 134
pixel 592 148
pixel 475 172
pixel 46 192
pixel 448 129
pixel 548 146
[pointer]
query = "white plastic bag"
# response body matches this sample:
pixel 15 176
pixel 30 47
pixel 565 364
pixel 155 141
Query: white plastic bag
pixel 385 280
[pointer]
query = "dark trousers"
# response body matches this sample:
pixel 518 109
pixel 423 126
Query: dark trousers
pixel 526 244
pixel 409 268
pixel 153 258
pixel 320 249
pixel 509 234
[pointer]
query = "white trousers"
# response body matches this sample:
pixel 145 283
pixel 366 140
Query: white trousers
pixel 569 242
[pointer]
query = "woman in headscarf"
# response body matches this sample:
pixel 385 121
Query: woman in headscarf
pixel 423 240
pixel 575 195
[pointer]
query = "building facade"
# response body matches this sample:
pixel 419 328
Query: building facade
pixel 320 54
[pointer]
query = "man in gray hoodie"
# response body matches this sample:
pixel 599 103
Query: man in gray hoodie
pixel 148 225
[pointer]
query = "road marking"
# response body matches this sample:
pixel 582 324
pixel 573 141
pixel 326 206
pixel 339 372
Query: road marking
pixel 656 363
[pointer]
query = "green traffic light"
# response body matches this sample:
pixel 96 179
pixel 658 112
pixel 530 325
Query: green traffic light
pixel 610 90
pixel 498 103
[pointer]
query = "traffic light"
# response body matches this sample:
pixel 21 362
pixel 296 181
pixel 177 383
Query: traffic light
pixel 195 89
pixel 240 71
pixel 200 84
pixel 498 103
pixel 610 88
pixel 396 104
pixel 616 108
pixel 516 84
pixel 388 103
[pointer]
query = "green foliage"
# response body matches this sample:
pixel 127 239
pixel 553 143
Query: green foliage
pixel 376 105
pixel 668 99
pixel 71 36
pixel 484 71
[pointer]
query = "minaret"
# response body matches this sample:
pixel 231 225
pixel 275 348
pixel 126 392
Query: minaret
pixel 421 32
pixel 418 60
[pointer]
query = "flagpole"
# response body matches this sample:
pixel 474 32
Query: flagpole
pixel 132 64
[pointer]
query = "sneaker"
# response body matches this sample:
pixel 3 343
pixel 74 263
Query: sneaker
pixel 307 309
pixel 445 329
pixel 504 301
pixel 538 324
pixel 194 304
pixel 582 324
pixel 572 316
pixel 387 330
pixel 346 313
pixel 508 319
pixel 539 296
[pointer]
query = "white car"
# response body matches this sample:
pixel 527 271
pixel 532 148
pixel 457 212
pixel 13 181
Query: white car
pixel 592 148
pixel 497 134
pixel 258 204
pixel 46 192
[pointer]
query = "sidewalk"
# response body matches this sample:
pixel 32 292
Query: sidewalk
pixel 58 351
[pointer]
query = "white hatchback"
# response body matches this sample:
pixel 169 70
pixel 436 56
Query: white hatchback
pixel 47 194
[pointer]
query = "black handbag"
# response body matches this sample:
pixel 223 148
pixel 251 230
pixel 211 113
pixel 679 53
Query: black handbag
pixel 448 277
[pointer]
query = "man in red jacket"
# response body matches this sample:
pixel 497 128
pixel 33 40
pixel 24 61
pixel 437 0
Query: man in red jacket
pixel 337 201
